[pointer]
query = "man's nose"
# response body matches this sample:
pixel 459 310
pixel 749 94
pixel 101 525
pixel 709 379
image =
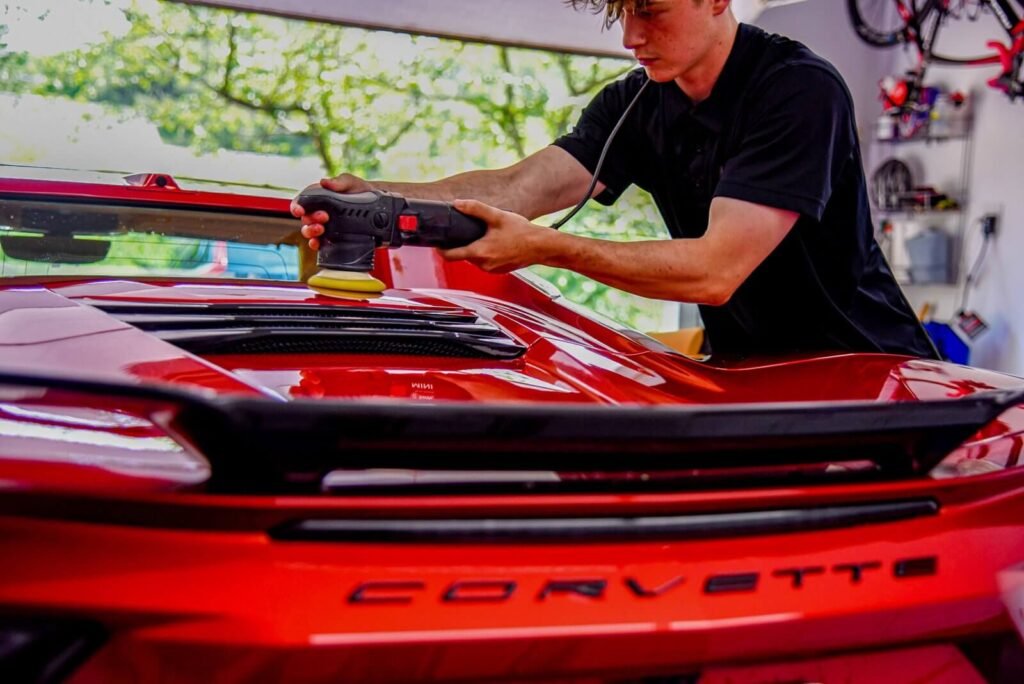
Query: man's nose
pixel 632 32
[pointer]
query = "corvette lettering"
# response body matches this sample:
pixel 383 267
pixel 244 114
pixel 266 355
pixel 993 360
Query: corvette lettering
pixel 501 590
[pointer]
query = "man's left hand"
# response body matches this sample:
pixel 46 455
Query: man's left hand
pixel 511 240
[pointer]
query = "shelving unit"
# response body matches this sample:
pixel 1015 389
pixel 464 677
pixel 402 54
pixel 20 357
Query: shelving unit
pixel 927 152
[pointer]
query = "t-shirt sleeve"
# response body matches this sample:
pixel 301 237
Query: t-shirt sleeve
pixel 795 141
pixel 587 138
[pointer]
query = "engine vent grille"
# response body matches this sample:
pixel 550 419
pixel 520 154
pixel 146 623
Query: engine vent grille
pixel 315 329
pixel 281 344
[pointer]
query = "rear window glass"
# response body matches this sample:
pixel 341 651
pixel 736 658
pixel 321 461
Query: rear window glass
pixel 63 238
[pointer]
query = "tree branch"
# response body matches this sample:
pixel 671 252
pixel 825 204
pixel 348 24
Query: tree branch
pixel 507 114
pixel 576 89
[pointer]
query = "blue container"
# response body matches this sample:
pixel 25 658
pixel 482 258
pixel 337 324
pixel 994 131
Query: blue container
pixel 948 342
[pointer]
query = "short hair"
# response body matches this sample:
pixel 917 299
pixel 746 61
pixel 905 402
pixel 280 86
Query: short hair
pixel 613 9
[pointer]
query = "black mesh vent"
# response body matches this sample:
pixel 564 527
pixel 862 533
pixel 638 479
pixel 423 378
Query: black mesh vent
pixel 315 329
pixel 282 344
pixel 393 326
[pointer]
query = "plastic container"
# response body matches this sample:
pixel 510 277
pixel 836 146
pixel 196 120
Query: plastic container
pixel 929 256
pixel 948 343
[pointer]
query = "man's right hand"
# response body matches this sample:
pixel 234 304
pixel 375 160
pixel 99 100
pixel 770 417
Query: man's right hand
pixel 313 224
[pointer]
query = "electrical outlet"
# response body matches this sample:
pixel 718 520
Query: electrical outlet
pixel 988 225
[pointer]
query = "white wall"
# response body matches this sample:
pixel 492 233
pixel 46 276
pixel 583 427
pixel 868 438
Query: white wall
pixel 996 156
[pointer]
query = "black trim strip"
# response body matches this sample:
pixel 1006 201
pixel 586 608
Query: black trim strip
pixel 697 526
pixel 362 324
pixel 286 311
pixel 150 203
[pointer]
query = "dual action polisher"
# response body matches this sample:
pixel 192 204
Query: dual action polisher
pixel 360 222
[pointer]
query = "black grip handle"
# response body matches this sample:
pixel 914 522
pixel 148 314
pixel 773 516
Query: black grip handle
pixel 441 225
pixel 316 198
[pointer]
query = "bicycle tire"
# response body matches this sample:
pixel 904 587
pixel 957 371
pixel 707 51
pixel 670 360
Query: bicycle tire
pixel 874 33
pixel 864 17
pixel 986 60
pixel 925 19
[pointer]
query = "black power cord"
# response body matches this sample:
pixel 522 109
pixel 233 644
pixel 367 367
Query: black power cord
pixel 988 231
pixel 600 160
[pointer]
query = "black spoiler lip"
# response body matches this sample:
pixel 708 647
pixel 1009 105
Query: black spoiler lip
pixel 258 444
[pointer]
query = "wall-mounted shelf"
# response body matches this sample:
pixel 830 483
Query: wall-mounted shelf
pixel 918 213
pixel 942 161
pixel 922 138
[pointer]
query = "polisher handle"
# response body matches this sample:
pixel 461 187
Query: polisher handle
pixel 438 224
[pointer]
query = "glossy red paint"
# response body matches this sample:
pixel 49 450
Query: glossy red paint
pixel 104 515
pixel 183 602
pixel 39 325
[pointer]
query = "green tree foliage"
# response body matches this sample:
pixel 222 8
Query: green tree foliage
pixel 373 103
pixel 11 63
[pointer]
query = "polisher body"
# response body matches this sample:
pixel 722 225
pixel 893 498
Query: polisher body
pixel 360 222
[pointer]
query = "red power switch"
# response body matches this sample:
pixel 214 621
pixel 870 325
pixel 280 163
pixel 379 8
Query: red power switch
pixel 408 223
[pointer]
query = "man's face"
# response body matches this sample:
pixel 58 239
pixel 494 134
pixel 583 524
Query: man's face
pixel 668 37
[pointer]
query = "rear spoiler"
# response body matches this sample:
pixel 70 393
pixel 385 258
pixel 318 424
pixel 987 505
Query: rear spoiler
pixel 264 445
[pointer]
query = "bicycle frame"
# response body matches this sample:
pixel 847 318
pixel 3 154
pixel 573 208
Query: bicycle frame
pixel 921 28
pixel 1004 12
pixel 1010 57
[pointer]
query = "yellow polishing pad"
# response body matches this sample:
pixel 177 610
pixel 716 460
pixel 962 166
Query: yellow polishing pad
pixel 350 281
pixel 346 294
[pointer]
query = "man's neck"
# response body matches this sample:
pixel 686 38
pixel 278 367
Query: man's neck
pixel 698 82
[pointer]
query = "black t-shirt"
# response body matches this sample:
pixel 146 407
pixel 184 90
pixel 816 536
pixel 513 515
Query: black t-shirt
pixel 778 130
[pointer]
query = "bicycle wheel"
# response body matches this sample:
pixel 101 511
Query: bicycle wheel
pixel 929 24
pixel 980 60
pixel 877 22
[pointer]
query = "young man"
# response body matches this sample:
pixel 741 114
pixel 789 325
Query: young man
pixel 748 144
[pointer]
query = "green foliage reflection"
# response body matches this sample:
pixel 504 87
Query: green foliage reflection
pixel 372 103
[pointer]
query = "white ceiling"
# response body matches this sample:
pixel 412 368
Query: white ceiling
pixel 548 24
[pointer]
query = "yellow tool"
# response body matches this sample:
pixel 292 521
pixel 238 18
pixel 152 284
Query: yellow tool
pixel 351 281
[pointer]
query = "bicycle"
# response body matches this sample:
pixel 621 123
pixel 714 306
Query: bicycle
pixel 917 23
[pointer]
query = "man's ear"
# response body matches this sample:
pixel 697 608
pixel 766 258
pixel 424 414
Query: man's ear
pixel 719 6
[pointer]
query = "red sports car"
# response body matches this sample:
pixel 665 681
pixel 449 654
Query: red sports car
pixel 205 477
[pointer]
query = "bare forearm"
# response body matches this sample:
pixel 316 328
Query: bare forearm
pixel 705 270
pixel 680 270
pixel 494 187
pixel 544 182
